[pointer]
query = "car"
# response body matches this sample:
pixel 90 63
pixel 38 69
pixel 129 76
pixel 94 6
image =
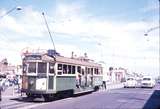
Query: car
pixel 147 82
pixel 130 82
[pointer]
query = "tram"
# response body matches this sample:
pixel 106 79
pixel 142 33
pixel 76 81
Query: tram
pixel 48 74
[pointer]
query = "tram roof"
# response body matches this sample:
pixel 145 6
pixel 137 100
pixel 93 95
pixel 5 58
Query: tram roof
pixel 62 59
pixel 76 61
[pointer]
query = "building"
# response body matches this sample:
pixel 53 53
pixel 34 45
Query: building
pixel 7 69
pixel 117 74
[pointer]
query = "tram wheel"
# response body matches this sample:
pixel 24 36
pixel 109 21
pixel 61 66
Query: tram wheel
pixel 29 95
pixel 96 88
pixel 48 97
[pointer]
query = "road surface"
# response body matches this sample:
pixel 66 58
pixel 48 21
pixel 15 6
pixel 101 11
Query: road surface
pixel 123 98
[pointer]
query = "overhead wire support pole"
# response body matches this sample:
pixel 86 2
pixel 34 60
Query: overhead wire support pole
pixel 49 31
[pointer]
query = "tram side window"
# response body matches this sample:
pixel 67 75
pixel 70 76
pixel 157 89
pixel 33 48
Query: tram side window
pixel 94 70
pixel 79 69
pixel 73 69
pixel 82 71
pixel 59 66
pixel 86 70
pixel 64 69
pixel 69 69
pixel 59 69
pixel 51 68
pixel 98 72
pixel 42 67
pixel 91 71
pixel 32 67
pixel 24 68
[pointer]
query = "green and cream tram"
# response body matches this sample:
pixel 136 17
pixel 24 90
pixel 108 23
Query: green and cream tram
pixel 46 76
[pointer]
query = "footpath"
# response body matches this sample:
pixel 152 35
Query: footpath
pixel 10 92
pixel 110 86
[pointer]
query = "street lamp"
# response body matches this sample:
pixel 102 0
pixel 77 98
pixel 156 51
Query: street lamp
pixel 15 8
pixel 151 29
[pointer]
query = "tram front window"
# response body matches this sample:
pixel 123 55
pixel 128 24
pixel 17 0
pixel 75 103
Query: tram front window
pixel 24 68
pixel 42 67
pixel 51 68
pixel 32 67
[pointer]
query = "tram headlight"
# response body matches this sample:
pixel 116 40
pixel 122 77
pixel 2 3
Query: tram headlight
pixel 31 82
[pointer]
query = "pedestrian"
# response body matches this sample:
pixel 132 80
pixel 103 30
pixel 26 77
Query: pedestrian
pixel 105 79
pixel 78 79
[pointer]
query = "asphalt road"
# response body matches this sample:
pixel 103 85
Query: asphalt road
pixel 124 98
pixel 134 98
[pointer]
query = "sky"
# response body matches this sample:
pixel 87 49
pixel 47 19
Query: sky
pixel 107 30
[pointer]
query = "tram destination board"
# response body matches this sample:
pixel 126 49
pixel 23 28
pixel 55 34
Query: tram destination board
pixel 33 57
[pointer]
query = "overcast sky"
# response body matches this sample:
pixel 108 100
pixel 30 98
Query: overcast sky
pixel 108 30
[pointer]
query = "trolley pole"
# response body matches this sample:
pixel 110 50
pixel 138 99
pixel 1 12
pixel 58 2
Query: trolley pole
pixel 49 31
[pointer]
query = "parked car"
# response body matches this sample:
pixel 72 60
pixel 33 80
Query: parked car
pixel 148 81
pixel 130 82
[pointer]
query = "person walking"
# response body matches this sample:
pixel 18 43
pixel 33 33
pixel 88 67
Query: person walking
pixel 78 79
pixel 105 79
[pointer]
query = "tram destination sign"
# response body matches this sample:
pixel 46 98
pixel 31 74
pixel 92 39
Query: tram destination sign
pixel 33 57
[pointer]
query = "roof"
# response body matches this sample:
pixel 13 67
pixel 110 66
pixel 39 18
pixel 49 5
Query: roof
pixel 76 61
pixel 61 59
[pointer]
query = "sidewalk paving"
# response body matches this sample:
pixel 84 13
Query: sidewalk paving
pixel 10 91
pixel 110 86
